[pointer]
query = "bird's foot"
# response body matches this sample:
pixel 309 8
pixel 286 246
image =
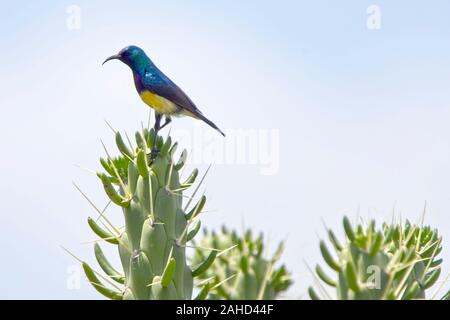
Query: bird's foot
pixel 153 154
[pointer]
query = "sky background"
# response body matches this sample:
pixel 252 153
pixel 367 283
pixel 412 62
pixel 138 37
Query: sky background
pixel 362 116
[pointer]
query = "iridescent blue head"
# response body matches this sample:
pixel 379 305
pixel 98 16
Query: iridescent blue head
pixel 132 56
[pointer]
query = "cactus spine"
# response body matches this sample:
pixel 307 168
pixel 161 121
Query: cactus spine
pixel 157 227
pixel 395 262
pixel 240 271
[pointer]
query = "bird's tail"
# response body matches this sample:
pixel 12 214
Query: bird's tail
pixel 210 123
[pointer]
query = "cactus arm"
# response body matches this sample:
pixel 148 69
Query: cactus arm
pixel 312 294
pixel 376 243
pixel 328 257
pixel 446 296
pixel 191 179
pixel 431 278
pixel 140 142
pixel 348 229
pixel 203 292
pixel 351 277
pixel 168 273
pixel 105 164
pixel 106 266
pixel 197 208
pixel 278 252
pixel 122 147
pixel 324 277
pixel 142 164
pixel 181 161
pixel 113 195
pixel 102 233
pixel 96 283
pixel 337 246
pixel 132 177
pixel 193 231
pixel 202 267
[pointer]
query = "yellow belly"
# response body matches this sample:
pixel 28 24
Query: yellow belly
pixel 160 104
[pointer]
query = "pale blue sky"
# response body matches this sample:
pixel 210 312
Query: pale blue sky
pixel 363 118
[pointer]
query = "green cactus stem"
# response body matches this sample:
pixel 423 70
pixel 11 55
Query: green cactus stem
pixel 396 261
pixel 241 271
pixel 152 244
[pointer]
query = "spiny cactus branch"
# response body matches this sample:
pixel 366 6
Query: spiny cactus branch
pixel 397 261
pixel 240 271
pixel 152 245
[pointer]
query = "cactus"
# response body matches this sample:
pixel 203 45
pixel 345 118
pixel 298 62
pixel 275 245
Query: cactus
pixel 395 262
pixel 152 244
pixel 240 271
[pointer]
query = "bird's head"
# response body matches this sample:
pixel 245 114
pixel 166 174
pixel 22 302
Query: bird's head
pixel 132 56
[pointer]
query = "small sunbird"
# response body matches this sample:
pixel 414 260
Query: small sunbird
pixel 157 90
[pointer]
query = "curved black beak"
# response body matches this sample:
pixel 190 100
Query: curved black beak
pixel 116 56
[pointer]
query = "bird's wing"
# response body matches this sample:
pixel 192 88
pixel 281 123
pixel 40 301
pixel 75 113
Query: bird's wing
pixel 158 83
pixel 161 85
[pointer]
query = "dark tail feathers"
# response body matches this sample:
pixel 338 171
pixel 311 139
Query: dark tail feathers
pixel 210 123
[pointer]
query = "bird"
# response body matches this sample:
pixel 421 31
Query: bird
pixel 157 90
